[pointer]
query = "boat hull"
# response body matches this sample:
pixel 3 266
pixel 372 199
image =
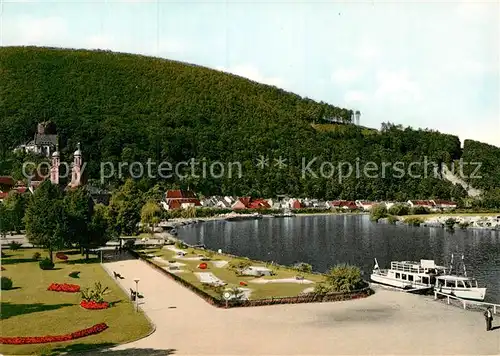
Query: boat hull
pixel 397 283
pixel 466 293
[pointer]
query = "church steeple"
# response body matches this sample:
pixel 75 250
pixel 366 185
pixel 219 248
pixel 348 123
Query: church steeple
pixel 76 171
pixel 54 169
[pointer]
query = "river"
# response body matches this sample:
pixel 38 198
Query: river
pixel 326 240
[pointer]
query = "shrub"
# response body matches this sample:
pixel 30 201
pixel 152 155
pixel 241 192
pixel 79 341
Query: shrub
pixel 46 264
pixel 399 209
pixel 464 225
pixel 303 267
pixel 322 288
pixel 238 265
pixel 181 245
pixel 419 210
pixel 36 256
pixel 210 254
pixel 94 295
pixel 414 221
pixel 13 245
pixel 391 219
pixel 450 223
pixel 345 278
pixel 6 283
pixel 377 212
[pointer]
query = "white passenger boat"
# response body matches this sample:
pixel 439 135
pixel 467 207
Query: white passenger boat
pixel 408 275
pixel 459 285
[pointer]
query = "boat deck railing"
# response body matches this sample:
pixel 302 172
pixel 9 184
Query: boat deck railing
pixel 407 267
pixel 471 304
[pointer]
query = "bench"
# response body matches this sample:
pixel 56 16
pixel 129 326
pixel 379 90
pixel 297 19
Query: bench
pixel 118 275
pixel 134 295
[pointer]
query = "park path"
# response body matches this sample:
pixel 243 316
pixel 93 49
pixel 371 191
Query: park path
pixel 387 323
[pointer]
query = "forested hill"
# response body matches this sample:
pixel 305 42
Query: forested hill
pixel 125 107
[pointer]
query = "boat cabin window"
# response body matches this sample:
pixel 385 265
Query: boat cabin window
pixel 404 276
pixel 398 275
pixel 425 280
pixel 467 284
pixel 410 277
pixel 450 284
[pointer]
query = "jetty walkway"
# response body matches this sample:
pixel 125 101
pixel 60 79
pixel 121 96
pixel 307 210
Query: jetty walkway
pixel 387 323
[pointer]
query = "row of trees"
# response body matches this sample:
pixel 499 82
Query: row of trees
pixel 55 219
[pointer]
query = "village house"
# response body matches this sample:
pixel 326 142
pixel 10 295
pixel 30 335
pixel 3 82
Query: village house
pixel 44 142
pixel 429 204
pixel 364 204
pixel 444 204
pixel 343 204
pixel 294 204
pixel 180 199
pixel 250 203
pixel 218 202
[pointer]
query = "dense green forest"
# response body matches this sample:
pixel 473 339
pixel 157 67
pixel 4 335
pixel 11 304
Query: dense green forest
pixel 126 108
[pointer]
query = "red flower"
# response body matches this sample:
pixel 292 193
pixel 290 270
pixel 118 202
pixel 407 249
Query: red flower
pixel 203 265
pixel 93 305
pixel 65 287
pixel 243 283
pixel 96 329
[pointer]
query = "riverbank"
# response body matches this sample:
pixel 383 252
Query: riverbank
pixel 487 221
pixel 188 325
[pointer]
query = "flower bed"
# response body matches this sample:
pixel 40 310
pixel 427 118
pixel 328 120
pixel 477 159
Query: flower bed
pixel 61 256
pixel 23 340
pixel 93 305
pixel 68 288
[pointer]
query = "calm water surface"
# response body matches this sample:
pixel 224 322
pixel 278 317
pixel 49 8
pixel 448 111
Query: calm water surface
pixel 324 241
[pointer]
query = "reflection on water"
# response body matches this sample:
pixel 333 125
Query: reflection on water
pixel 324 241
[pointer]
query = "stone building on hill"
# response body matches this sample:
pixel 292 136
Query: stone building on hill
pixel 45 140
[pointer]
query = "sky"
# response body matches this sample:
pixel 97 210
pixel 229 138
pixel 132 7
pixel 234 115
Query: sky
pixel 423 64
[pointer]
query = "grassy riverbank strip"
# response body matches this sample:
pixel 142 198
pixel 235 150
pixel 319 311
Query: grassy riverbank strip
pixel 211 275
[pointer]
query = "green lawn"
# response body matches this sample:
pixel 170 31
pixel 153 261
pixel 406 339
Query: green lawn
pixel 446 215
pixel 259 291
pixel 31 310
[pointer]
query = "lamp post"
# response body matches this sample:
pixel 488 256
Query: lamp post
pixel 136 280
pixel 101 257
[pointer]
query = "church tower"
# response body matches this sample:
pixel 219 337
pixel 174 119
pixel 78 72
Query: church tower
pixel 54 169
pixel 76 170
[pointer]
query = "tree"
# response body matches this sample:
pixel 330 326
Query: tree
pixel 45 218
pixel 399 209
pixel 79 208
pixel 150 215
pixel 5 220
pixel 15 203
pixel 99 229
pixel 125 207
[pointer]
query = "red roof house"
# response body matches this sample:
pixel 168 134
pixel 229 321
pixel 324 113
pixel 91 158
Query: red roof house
pixel 259 204
pixel 250 203
pixel 444 204
pixel 421 203
pixel 295 204
pixel 180 199
pixel 343 204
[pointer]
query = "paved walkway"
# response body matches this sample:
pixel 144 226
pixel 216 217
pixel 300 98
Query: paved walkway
pixel 387 323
